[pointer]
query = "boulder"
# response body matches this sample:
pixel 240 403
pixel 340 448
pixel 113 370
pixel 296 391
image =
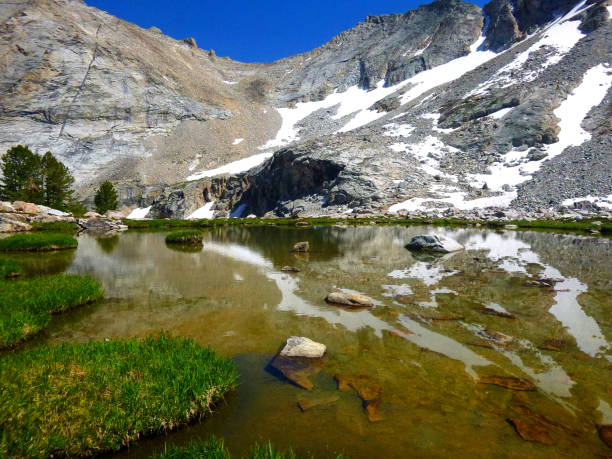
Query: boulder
pixel 101 225
pixel 349 299
pixel 439 244
pixel 115 214
pixel 303 247
pixel 44 210
pixel 6 207
pixel 190 42
pixel 26 207
pixel 299 346
pixel 8 224
pixel 52 218
pixel 92 214
pixel 605 433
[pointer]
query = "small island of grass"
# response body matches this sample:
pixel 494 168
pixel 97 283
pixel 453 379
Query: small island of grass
pixel 185 237
pixel 26 305
pixel 37 242
pixel 87 399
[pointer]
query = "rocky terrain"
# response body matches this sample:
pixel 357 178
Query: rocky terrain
pixel 446 109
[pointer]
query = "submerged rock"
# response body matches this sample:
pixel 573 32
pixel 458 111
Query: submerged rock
pixel 495 313
pixel 300 346
pixel 440 244
pixel 531 432
pixel 605 433
pixel 349 299
pixel 368 390
pixel 290 269
pixel 298 370
pixel 509 382
pixel 311 401
pixel 301 247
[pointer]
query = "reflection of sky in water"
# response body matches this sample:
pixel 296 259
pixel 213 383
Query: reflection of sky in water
pixel 428 273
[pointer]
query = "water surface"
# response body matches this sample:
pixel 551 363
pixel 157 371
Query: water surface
pixel 232 296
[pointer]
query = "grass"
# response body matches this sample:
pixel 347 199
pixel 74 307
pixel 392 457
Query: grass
pixel 26 305
pixel 579 226
pixel 57 227
pixel 87 399
pixel 9 268
pixel 185 237
pixel 213 448
pixel 37 242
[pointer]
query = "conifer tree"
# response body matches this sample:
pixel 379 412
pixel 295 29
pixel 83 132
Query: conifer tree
pixel 106 198
pixel 56 183
pixel 21 175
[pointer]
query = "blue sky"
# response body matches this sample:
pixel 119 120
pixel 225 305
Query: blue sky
pixel 253 31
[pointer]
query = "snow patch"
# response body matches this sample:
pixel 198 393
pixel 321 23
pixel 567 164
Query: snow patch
pixel 204 212
pixel 499 114
pixel 398 130
pixel 601 201
pixel 140 213
pixel 237 141
pixel 231 83
pixel 235 167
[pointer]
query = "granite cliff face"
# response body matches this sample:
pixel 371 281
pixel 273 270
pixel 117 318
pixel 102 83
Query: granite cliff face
pixel 447 108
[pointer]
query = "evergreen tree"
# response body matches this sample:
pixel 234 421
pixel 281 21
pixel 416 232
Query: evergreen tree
pixel 56 183
pixel 21 175
pixel 106 198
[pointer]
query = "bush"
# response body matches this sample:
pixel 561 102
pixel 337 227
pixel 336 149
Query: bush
pixel 87 399
pixel 9 268
pixel 185 237
pixel 26 305
pixel 37 242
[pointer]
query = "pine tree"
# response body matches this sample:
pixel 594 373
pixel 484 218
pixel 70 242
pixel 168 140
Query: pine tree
pixel 21 175
pixel 56 183
pixel 106 198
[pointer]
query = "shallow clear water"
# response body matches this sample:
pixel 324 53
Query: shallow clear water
pixel 232 296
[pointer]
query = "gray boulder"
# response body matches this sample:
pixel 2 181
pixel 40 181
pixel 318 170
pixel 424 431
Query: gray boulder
pixel 299 346
pixel 439 244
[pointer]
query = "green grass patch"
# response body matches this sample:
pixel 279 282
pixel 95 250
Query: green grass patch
pixel 9 268
pixel 576 226
pixel 26 305
pixel 37 242
pixel 86 399
pixel 185 237
pixel 213 448
pixel 57 227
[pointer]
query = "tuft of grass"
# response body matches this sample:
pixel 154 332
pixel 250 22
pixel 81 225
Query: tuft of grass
pixel 37 242
pixel 58 227
pixel 185 237
pixel 213 448
pixel 9 268
pixel 26 305
pixel 86 399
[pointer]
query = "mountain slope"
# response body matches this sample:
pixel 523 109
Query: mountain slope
pixel 413 112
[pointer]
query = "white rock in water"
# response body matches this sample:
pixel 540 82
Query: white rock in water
pixel 440 244
pixel 299 346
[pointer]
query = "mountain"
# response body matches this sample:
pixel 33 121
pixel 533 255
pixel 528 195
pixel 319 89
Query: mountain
pixel 446 109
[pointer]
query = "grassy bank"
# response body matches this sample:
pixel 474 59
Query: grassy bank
pixel 185 237
pixel 37 242
pixel 57 227
pixel 580 226
pixel 85 399
pixel 26 305
pixel 214 448
pixel 9 268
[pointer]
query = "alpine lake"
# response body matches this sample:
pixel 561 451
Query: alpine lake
pixel 499 350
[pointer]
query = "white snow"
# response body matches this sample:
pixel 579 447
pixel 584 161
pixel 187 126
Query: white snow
pixel 501 113
pixel 235 167
pixel 237 141
pixel 601 201
pixel 561 37
pixel 609 8
pixel 230 82
pixel 398 130
pixel 435 117
pixel 357 101
pixel 428 152
pixel 395 290
pixel 139 213
pixel 204 212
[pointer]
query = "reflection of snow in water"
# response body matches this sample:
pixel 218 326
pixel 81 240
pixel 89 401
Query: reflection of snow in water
pixel 497 307
pixel 606 412
pixel 288 286
pixel 394 290
pixel 515 255
pixel 427 273
pixel 433 303
pixel 444 345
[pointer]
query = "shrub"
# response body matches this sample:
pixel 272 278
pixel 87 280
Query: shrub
pixel 85 399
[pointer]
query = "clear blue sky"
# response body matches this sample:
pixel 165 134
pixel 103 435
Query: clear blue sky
pixel 253 31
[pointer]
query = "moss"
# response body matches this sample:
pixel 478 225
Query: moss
pixel 88 399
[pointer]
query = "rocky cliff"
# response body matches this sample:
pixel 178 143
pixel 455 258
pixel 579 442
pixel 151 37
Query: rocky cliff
pixel 443 109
